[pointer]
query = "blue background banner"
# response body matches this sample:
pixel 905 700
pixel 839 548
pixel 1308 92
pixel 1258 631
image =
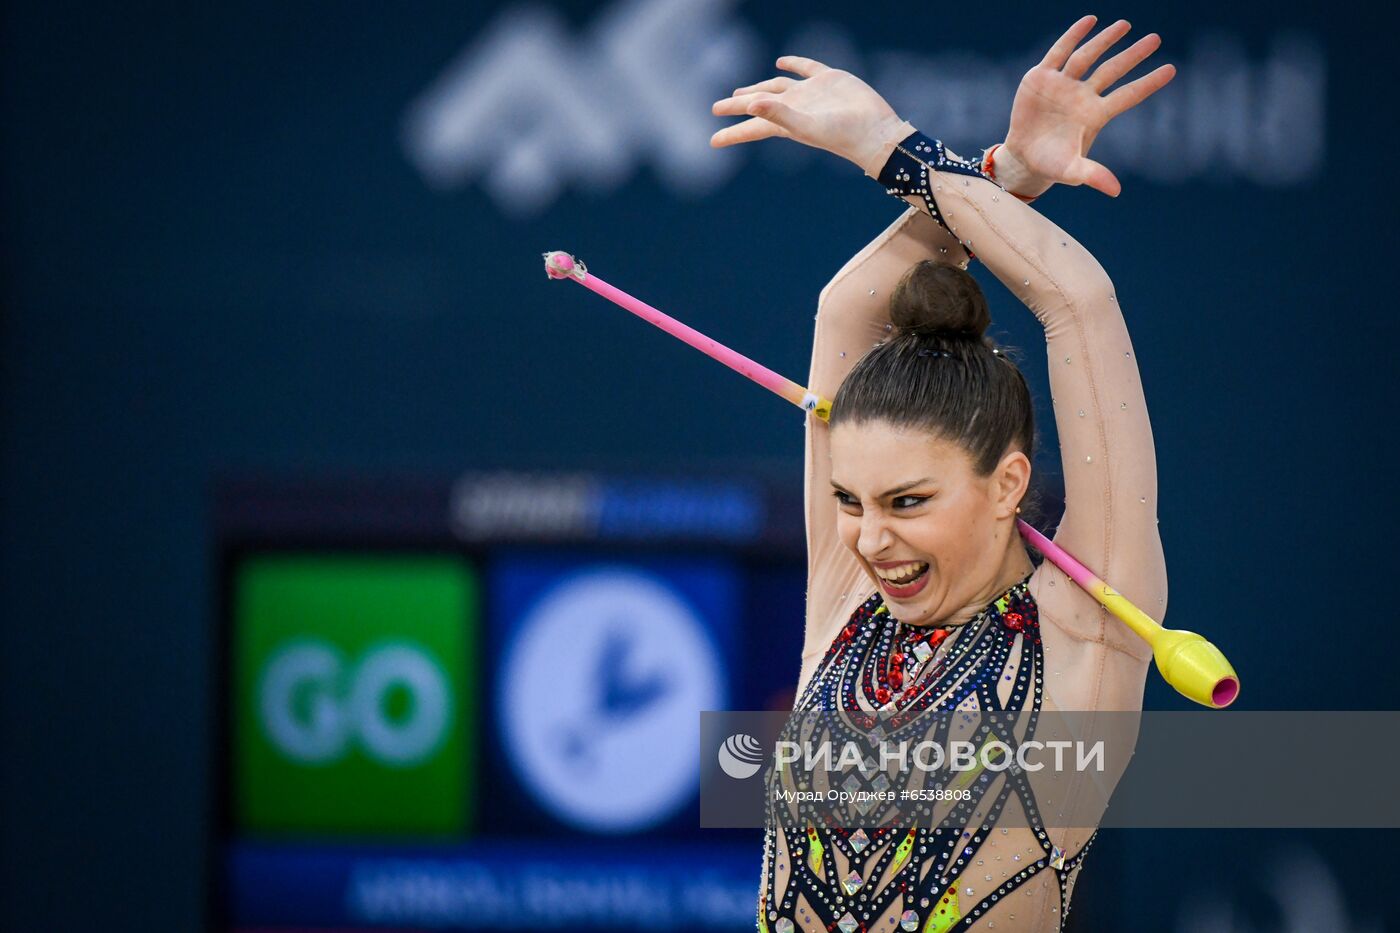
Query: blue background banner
pixel 275 245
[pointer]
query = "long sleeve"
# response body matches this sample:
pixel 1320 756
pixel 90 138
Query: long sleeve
pixel 1087 660
pixel 1106 444
pixel 852 316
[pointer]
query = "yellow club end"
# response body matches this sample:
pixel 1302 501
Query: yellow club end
pixel 1195 668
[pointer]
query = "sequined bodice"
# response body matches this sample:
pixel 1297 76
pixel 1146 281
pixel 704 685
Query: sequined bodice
pixel 914 877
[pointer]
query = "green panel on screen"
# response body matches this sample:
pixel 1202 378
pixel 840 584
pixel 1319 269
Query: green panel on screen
pixel 353 705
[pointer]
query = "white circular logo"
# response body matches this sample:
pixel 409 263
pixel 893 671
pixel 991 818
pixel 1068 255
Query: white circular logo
pixel 740 756
pixel 601 693
pixel 314 704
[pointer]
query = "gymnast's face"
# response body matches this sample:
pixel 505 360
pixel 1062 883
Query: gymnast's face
pixel 934 536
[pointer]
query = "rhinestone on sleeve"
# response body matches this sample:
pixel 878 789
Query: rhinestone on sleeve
pixel 911 165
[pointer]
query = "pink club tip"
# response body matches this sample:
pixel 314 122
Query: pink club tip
pixel 558 264
pixel 1225 692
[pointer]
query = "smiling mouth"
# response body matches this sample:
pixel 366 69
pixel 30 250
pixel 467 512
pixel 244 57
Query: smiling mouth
pixel 904 574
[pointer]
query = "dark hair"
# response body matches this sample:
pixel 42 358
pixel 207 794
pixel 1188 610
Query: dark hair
pixel 939 372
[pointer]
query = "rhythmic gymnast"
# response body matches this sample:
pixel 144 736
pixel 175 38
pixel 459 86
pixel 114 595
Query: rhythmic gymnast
pixel 915 483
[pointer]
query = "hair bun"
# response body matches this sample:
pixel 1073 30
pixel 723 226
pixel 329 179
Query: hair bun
pixel 936 299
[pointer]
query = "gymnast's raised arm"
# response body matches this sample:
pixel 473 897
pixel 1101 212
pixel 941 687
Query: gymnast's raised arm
pixel 1107 448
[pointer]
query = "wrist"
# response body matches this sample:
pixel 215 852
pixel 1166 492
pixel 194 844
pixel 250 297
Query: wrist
pixel 1013 175
pixel 879 144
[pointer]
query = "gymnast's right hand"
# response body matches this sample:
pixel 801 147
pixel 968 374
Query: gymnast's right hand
pixel 832 110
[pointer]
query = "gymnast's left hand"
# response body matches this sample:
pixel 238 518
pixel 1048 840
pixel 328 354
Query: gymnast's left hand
pixel 831 109
pixel 1061 105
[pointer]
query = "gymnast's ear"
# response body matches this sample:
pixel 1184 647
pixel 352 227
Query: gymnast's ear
pixel 1009 481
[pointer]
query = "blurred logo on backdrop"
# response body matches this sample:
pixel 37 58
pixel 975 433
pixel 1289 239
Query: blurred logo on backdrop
pixel 1293 886
pixel 392 702
pixel 537 103
pixel 511 505
pixel 352 709
pixel 602 683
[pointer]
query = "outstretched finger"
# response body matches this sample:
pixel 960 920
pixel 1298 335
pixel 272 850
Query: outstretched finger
pixel 1059 52
pixel 1125 61
pixel 1130 95
pixel 749 131
pixel 1096 176
pixel 1089 52
pixel 772 86
pixel 735 106
pixel 806 67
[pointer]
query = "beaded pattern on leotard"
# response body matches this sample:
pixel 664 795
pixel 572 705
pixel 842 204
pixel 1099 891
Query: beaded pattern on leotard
pixel 906 172
pixel 968 670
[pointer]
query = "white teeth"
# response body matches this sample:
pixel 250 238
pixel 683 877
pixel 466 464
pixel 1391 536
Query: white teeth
pixel 902 574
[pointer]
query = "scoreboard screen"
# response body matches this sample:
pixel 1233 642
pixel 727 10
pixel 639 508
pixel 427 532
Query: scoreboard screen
pixel 474 704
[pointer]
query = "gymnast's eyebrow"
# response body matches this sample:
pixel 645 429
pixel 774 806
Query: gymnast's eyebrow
pixel 896 490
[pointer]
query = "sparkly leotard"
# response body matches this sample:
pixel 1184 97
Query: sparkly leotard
pixel 994 662
pixel 1043 645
